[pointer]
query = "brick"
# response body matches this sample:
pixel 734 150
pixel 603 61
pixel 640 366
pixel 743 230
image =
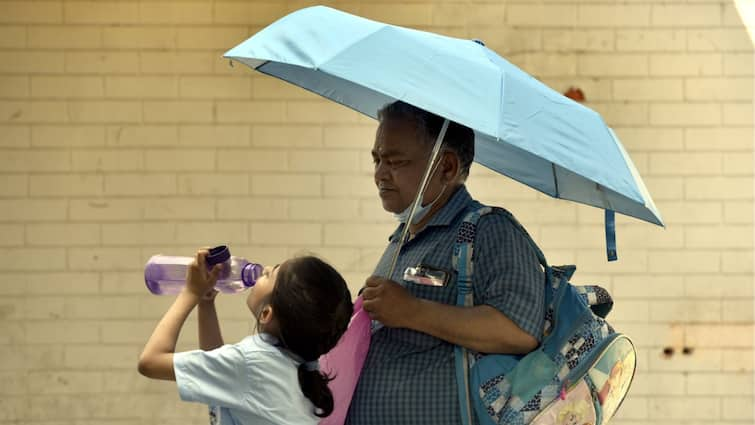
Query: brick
pixel 685 114
pixel 138 234
pixel 345 186
pixel 578 40
pixel 56 283
pixel 718 139
pixel 327 210
pixel 43 308
pixel 211 37
pixel 204 233
pixel 371 209
pixel 123 282
pixel 663 384
pixel 686 164
pixel 629 287
pixel 369 235
pixel 267 88
pixel 737 311
pixel 57 136
pixel 15 136
pixel 139 37
pixel 142 136
pixel 699 408
pixel 738 212
pixel 738 114
pixel 257 159
pixel 51 332
pixel 686 15
pixel 738 360
pixel 684 262
pixel 623 114
pixel 686 311
pixel 324 161
pixel 108 160
pixel 13 36
pixel 12 383
pixel 602 65
pixel 251 112
pixel 179 209
pixel 141 87
pixel 630 311
pixel 702 360
pixel 35 160
pixel 541 15
pixel 64 382
pixel 650 139
pixel 651 40
pixel 718 286
pixel 399 14
pixel 595 89
pixel 307 136
pixel 692 212
pixel 100 12
pixel 99 62
pixel 105 112
pixel 140 184
pixel 100 356
pixel 175 62
pixel 258 13
pixel 14 86
pixel 31 12
pixel 217 87
pixel 34 112
pixel 12 234
pixel 106 209
pixel 256 208
pixel 30 62
pixel 728 89
pixel 213 184
pixel 319 112
pixel 737 408
pixel 648 89
pixel 546 64
pixel 725 336
pixel 66 87
pixel 739 261
pixel 214 135
pixel 184 12
pixel 718 40
pixel 64 37
pixel 686 64
pixel 613 15
pixel 178 111
pixel 103 259
pixel 507 41
pixel 739 64
pixel 289 233
pixel 185 160
pixel 719 384
pixel 55 185
pixel 287 185
pixel 738 164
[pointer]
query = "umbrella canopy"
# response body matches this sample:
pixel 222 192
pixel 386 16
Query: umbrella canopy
pixel 523 129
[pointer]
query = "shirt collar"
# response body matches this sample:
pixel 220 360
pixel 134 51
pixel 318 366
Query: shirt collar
pixel 457 203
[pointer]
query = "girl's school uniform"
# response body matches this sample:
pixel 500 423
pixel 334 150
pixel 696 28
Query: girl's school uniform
pixel 251 382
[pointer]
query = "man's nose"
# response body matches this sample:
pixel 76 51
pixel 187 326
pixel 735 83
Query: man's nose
pixel 381 170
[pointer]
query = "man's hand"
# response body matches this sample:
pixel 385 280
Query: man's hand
pixel 198 280
pixel 389 303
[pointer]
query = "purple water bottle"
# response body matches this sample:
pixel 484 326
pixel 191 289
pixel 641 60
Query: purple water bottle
pixel 166 275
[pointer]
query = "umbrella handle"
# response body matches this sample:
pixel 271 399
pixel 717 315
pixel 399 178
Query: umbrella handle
pixel 431 166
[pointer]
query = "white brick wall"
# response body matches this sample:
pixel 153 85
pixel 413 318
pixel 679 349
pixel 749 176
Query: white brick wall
pixel 124 133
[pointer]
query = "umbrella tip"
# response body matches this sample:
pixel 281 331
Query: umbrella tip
pixel 478 41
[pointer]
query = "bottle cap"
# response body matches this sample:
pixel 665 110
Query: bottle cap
pixel 217 255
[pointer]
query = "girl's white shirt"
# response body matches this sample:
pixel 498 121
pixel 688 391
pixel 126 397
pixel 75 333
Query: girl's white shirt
pixel 251 382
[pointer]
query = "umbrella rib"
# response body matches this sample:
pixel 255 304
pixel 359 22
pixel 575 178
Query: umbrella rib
pixel 555 179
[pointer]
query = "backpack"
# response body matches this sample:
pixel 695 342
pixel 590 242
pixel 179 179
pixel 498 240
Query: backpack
pixel 579 374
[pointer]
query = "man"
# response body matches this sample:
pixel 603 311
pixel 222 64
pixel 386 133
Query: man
pixel 408 376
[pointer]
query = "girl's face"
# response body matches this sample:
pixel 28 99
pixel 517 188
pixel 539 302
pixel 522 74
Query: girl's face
pixel 259 295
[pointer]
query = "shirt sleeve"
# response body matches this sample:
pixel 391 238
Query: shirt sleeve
pixel 213 377
pixel 508 275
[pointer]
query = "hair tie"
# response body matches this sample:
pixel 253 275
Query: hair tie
pixel 312 366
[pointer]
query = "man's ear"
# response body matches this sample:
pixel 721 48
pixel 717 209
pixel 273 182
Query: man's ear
pixel 450 166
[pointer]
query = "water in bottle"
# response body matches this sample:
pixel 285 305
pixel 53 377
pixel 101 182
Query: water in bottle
pixel 166 275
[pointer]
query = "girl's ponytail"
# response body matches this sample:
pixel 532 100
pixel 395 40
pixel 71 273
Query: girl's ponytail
pixel 314 385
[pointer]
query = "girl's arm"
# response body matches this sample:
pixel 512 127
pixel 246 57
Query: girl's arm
pixel 210 336
pixel 156 360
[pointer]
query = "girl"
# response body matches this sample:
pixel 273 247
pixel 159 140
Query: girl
pixel 302 307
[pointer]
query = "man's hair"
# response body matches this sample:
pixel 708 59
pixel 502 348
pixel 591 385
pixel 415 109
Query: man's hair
pixel 459 138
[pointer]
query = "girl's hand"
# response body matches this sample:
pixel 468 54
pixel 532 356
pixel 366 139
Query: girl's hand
pixel 209 296
pixel 198 280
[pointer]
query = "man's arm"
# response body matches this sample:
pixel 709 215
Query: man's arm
pixel 481 328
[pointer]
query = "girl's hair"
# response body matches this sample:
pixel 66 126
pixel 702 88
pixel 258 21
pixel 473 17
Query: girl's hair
pixel 312 306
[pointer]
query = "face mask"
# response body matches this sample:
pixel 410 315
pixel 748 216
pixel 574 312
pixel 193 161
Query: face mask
pixel 421 212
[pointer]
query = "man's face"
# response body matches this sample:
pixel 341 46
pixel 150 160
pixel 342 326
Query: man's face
pixel 400 159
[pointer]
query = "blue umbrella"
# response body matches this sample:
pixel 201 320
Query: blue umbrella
pixel 523 129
